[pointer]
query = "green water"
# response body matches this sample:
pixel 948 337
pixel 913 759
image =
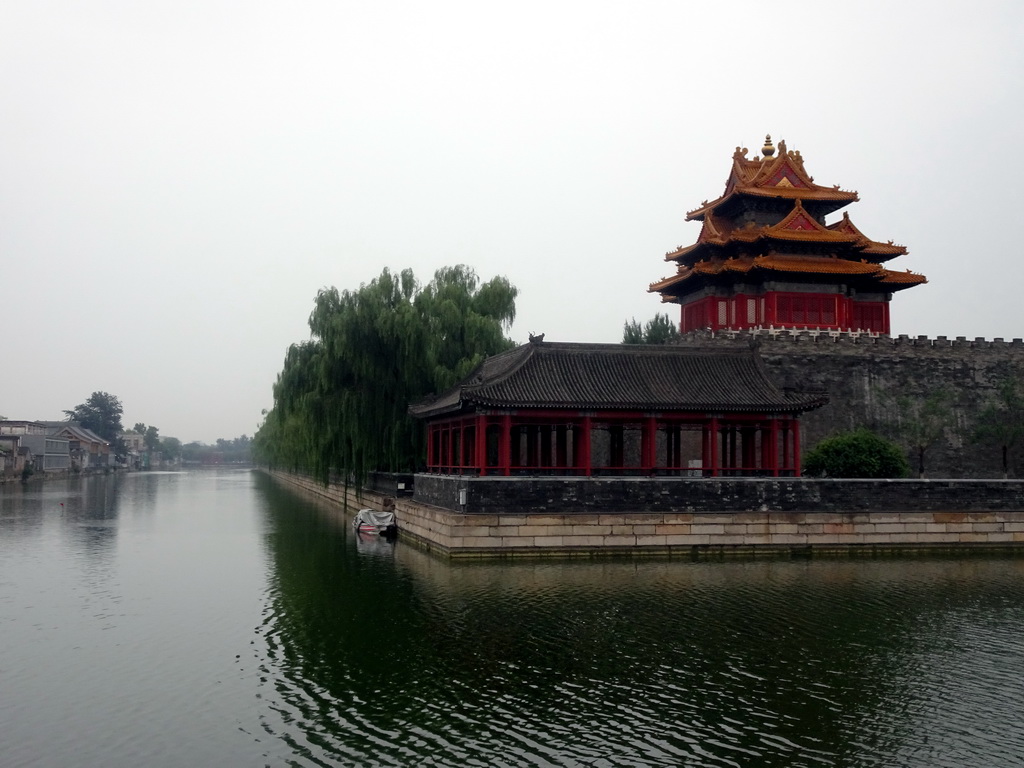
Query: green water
pixel 213 618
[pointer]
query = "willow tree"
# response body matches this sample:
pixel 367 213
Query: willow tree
pixel 340 402
pixel 658 330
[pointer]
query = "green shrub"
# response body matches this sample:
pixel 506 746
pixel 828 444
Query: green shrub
pixel 860 453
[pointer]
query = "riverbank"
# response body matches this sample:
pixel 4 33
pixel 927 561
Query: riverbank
pixel 697 517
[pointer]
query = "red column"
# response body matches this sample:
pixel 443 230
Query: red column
pixel 713 447
pixel 481 444
pixel 505 445
pixel 796 447
pixel 585 458
pixel 430 447
pixel 774 455
pixel 649 445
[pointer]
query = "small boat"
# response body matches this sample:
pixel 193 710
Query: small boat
pixel 370 521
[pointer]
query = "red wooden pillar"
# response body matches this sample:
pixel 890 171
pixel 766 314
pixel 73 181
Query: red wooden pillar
pixel 430 447
pixel 786 446
pixel 649 445
pixel 774 456
pixel 713 447
pixel 885 318
pixel 505 446
pixel 584 454
pixel 796 447
pixel 561 446
pixel 481 445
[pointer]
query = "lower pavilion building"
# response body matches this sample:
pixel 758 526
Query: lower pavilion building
pixel 613 409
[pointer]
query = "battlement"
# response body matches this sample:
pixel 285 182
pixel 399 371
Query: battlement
pixel 846 338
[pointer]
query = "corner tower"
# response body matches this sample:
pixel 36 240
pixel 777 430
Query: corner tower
pixel 766 258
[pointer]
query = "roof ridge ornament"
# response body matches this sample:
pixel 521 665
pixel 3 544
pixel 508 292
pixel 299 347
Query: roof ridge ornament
pixel 768 149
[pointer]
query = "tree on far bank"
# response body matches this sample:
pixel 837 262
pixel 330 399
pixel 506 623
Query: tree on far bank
pixel 170 447
pixel 658 330
pixel 101 413
pixel 151 438
pixel 860 453
pixel 1001 421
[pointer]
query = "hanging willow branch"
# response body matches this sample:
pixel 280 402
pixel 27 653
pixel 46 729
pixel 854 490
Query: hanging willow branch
pixel 341 399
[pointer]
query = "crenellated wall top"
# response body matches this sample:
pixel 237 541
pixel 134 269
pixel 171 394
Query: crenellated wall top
pixel 846 338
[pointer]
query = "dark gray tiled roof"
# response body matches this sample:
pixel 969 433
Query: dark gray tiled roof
pixel 620 376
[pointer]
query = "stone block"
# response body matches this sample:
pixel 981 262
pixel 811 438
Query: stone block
pixel 591 530
pixel 890 528
pixel 988 527
pixel 699 529
pixel 459 520
pixel 676 518
pixel 517 541
pixel 480 541
pixel 999 538
pixel 686 540
pixel 547 541
pixel 582 541
pixel 667 528
pixel 546 530
pixel 620 541
pixel 640 518
pixel 971 537
pixel 787 538
pixel 657 540
pixel 541 520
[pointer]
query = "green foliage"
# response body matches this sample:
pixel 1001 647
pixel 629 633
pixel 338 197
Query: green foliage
pixel 923 422
pixel 860 453
pixel 658 330
pixel 236 451
pixel 101 413
pixel 170 447
pixel 1001 421
pixel 151 438
pixel 341 399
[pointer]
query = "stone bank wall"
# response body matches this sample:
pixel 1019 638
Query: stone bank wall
pixel 696 517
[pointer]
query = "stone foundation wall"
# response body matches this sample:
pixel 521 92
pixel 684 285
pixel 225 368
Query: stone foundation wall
pixel 986 515
pixel 870 379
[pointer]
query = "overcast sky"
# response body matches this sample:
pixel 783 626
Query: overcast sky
pixel 179 179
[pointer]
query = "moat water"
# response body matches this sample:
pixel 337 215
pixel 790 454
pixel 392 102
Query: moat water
pixel 215 619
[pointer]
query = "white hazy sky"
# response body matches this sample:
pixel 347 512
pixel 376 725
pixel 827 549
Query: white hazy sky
pixel 178 179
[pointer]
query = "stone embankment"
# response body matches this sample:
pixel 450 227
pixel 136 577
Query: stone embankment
pixel 585 516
